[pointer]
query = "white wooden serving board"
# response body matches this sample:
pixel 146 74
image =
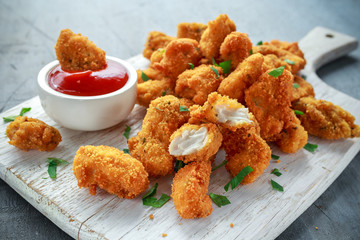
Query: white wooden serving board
pixel 256 210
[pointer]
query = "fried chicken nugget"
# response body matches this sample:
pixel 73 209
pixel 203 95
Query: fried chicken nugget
pixel 236 47
pixel 152 89
pixel 30 133
pixel 189 190
pixel 190 30
pixel 269 99
pixel 214 35
pixel 326 120
pixel 291 47
pixel 195 142
pixel 76 53
pixel 304 89
pixel 154 41
pixel 196 84
pixel 242 77
pixel 271 61
pixel 110 169
pixel 150 146
pixel 178 54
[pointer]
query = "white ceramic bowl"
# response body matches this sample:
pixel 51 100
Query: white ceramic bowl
pixel 88 113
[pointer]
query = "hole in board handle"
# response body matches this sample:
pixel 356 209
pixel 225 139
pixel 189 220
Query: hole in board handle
pixel 329 35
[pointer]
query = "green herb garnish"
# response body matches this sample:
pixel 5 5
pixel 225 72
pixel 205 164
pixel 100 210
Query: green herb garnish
pixel 303 77
pixel 127 132
pixel 259 43
pixel 219 200
pixel 191 65
pixel 53 163
pixel 125 150
pixel 238 178
pixel 311 147
pixel 214 62
pixel 297 112
pixel 276 172
pixel 277 72
pixel 144 77
pixel 149 200
pixel 275 157
pixel 183 109
pixel 178 165
pixel 163 93
pixel 251 51
pixel 289 61
pixel 215 71
pixel 162 50
pixel 219 166
pixel 295 85
pixel 226 66
pixel 276 186
pixel 12 118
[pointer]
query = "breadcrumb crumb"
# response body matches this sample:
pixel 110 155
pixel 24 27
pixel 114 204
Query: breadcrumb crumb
pixel 231 225
pixel 151 216
pixel 164 235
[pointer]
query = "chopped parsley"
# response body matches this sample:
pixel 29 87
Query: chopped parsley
pixel 295 85
pixel 12 118
pixel 125 150
pixel 215 71
pixel 127 132
pixel 214 62
pixel 259 43
pixel 277 72
pixel 191 65
pixel 226 66
pixel 311 147
pixel 219 200
pixel 275 157
pixel 251 51
pixel 303 76
pixel 297 112
pixel 219 166
pixel 53 163
pixel 183 109
pixel 150 200
pixel 289 61
pixel 144 77
pixel 238 178
pixel 276 186
pixel 276 172
pixel 178 165
pixel 163 93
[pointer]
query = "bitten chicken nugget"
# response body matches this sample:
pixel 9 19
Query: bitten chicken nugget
pixel 30 133
pixel 178 54
pixel 236 47
pixel 77 53
pixel 189 190
pixel 196 84
pixel 190 30
pixel 110 169
pixel 195 142
pixel 301 88
pixel 242 77
pixel 269 100
pixel 152 89
pixel 154 41
pixel 150 146
pixel 214 35
pixel 326 120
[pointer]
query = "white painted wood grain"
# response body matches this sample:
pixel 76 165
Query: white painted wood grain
pixel 257 211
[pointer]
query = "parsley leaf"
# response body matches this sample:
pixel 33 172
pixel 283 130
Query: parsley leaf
pixel 259 43
pixel 163 93
pixel 303 77
pixel 276 172
pixel 215 71
pixel 311 147
pixel 24 110
pixel 183 109
pixel 149 200
pixel 12 118
pixel 191 65
pixel 276 186
pixel 214 62
pixel 275 157
pixel 238 178
pixel 125 150
pixel 127 132
pixel 289 61
pixel 251 51
pixel 178 165
pixel 297 112
pixel 219 200
pixel 219 166
pixel 144 77
pixel 53 163
pixel 295 85
pixel 277 72
pixel 226 66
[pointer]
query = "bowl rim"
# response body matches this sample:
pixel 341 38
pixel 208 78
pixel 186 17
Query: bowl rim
pixel 44 85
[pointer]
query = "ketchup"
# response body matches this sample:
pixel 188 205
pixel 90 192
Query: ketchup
pixel 89 83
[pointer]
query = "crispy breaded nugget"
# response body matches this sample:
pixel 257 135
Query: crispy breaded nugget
pixel 189 190
pixel 190 30
pixel 150 146
pixel 30 133
pixel 291 47
pixel 110 169
pixel 195 142
pixel 178 54
pixel 77 53
pixel 196 84
pixel 326 120
pixel 157 56
pixel 214 35
pixel 269 100
pixel 154 41
pixel 242 77
pixel 152 89
pixel 236 47
pixel 245 147
pixel 299 63
pixel 305 89
pixel 293 138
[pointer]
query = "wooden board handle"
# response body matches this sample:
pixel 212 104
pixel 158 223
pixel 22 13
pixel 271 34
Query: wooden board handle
pixel 322 45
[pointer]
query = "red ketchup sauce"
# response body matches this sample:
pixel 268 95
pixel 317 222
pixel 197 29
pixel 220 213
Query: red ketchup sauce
pixel 89 83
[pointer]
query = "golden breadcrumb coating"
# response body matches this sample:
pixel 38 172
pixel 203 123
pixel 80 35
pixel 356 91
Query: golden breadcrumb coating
pixel 212 143
pixel 76 53
pixel 152 74
pixel 271 61
pixel 30 133
pixel 236 47
pixel 154 41
pixel 157 56
pixel 150 146
pixel 214 35
pixel 291 47
pixel 242 78
pixel 152 89
pixel 305 89
pixel 269 100
pixel 190 30
pixel 196 84
pixel 189 190
pixel 110 169
pixel 326 120
pixel 178 54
